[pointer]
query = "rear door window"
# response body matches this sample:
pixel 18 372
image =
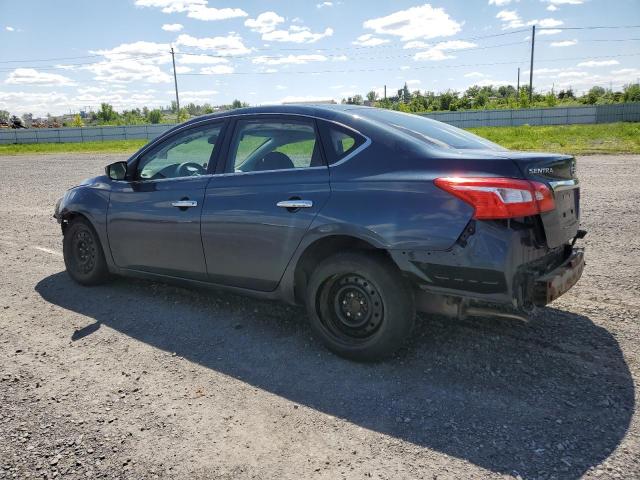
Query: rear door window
pixel 268 144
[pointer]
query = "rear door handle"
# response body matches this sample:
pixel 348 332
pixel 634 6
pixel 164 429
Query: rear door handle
pixel 184 203
pixel 295 204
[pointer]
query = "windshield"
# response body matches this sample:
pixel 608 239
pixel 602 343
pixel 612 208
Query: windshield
pixel 436 133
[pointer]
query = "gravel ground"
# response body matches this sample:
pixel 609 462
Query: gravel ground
pixel 140 380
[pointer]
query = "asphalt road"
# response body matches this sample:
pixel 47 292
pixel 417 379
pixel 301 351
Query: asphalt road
pixel 141 380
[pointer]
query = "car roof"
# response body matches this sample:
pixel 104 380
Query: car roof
pixel 326 111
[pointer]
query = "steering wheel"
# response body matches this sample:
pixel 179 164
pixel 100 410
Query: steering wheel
pixel 190 169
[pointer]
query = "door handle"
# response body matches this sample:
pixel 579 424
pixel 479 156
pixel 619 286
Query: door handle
pixel 184 203
pixel 295 204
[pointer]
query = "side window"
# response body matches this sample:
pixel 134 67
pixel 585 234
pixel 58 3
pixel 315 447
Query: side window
pixel 262 145
pixel 339 142
pixel 185 154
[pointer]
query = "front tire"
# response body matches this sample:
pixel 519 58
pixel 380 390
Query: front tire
pixel 360 306
pixel 83 254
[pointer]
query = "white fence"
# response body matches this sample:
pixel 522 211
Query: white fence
pixel 623 112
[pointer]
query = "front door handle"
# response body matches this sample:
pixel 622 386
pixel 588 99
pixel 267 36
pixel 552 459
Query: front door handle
pixel 295 204
pixel 184 203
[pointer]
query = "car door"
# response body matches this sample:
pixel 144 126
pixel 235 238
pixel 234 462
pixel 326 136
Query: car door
pixel 153 221
pixel 257 210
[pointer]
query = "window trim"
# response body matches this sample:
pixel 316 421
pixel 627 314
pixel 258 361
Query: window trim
pixel 214 160
pixel 269 117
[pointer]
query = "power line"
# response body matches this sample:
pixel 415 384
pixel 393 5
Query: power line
pixel 420 67
pixel 598 27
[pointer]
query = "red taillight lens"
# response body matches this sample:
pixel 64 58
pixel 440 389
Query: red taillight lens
pixel 495 198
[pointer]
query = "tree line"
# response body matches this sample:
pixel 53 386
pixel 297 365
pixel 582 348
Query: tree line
pixel 491 97
pixel 416 101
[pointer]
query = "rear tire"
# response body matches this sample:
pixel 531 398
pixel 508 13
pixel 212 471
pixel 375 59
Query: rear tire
pixel 83 254
pixel 360 306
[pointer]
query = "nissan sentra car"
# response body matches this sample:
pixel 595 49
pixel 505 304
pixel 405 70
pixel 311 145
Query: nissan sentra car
pixel 363 215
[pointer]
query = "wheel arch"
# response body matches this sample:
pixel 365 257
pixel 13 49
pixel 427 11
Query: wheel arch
pixel 320 248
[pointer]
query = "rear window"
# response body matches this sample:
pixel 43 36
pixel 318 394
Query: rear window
pixel 431 131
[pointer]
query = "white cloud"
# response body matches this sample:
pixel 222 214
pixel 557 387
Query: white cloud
pixel 9 29
pixel 296 34
pixel 193 59
pixel 564 43
pixel 198 9
pixel 438 51
pixel 151 51
pixel 289 59
pixel 474 75
pixel 132 62
pixel 127 71
pixel 552 8
pixel 324 4
pixel 553 31
pixel 571 74
pixel 627 71
pixel 211 14
pixel 183 69
pixel 598 63
pixel 218 70
pixel 172 27
pixel 499 3
pixel 415 22
pixel 511 19
pixel 546 23
pixel 368 40
pixel 281 87
pixel 564 2
pixel 195 96
pixel 227 46
pixel 415 44
pixel 30 76
pixel 265 22
pixel 413 82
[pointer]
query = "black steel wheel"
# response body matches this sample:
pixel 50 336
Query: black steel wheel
pixel 360 306
pixel 83 255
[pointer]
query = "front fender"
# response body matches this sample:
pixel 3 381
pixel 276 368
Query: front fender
pixel 92 202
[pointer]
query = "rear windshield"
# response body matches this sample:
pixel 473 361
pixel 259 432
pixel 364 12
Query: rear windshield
pixel 431 131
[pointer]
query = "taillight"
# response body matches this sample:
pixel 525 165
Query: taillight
pixel 495 198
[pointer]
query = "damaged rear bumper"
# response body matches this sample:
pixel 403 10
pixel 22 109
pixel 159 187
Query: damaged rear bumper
pixel 496 270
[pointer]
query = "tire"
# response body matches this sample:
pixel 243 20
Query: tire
pixel 83 253
pixel 360 306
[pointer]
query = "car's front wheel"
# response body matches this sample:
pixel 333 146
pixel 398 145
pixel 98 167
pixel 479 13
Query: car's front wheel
pixel 360 306
pixel 83 255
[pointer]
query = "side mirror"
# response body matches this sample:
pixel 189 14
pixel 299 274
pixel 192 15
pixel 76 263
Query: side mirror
pixel 116 171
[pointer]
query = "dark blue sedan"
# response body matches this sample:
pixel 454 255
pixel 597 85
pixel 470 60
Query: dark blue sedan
pixel 363 215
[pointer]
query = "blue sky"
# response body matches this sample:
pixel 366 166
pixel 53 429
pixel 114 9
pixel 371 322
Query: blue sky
pixel 64 55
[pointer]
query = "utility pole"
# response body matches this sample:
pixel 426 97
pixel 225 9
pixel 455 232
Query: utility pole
pixel 385 92
pixel 518 90
pixel 175 81
pixel 533 45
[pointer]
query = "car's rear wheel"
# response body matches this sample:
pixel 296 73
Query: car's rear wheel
pixel 360 306
pixel 83 254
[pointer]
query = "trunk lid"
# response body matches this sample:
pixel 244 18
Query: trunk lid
pixel 559 173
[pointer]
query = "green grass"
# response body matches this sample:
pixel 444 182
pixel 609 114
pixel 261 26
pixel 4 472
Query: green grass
pixel 114 146
pixel 572 139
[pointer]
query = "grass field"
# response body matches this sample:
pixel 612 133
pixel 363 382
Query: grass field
pixel 572 139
